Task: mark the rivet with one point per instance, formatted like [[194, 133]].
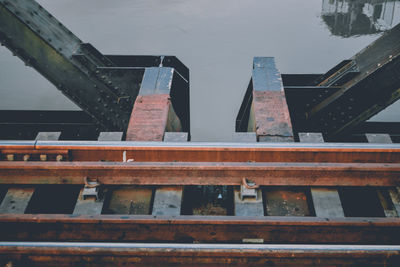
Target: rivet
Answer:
[[59, 158], [26, 157], [10, 157], [43, 157]]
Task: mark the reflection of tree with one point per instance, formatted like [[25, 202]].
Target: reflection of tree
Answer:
[[356, 17]]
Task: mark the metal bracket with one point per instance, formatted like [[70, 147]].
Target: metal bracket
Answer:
[[248, 189], [91, 189]]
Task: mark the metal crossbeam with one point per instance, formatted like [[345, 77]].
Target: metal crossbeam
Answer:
[[368, 83], [103, 86]]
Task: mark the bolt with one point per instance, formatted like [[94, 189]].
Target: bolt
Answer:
[[26, 157], [10, 157], [43, 157], [59, 158]]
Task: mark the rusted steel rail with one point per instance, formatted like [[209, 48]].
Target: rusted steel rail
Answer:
[[204, 152], [99, 254], [196, 173], [204, 229]]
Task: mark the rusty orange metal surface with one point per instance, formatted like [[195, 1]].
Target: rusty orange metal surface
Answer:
[[186, 173], [149, 118], [272, 118], [137, 228], [101, 254], [137, 152]]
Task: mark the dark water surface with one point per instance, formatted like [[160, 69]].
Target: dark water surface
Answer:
[[216, 39]]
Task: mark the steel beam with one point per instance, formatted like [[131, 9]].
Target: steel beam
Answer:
[[158, 254], [207, 152], [201, 173], [369, 82], [203, 229], [96, 83]]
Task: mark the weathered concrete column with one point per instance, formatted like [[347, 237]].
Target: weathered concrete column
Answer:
[[153, 113], [264, 109]]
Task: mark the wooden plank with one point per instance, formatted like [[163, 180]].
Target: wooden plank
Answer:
[[379, 138], [245, 137], [175, 137], [387, 203], [89, 206], [388, 199], [129, 200], [395, 197], [48, 136], [286, 202], [16, 200], [110, 136], [311, 137], [326, 200], [167, 201], [248, 206]]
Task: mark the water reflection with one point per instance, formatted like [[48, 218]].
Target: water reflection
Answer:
[[217, 40], [357, 17]]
